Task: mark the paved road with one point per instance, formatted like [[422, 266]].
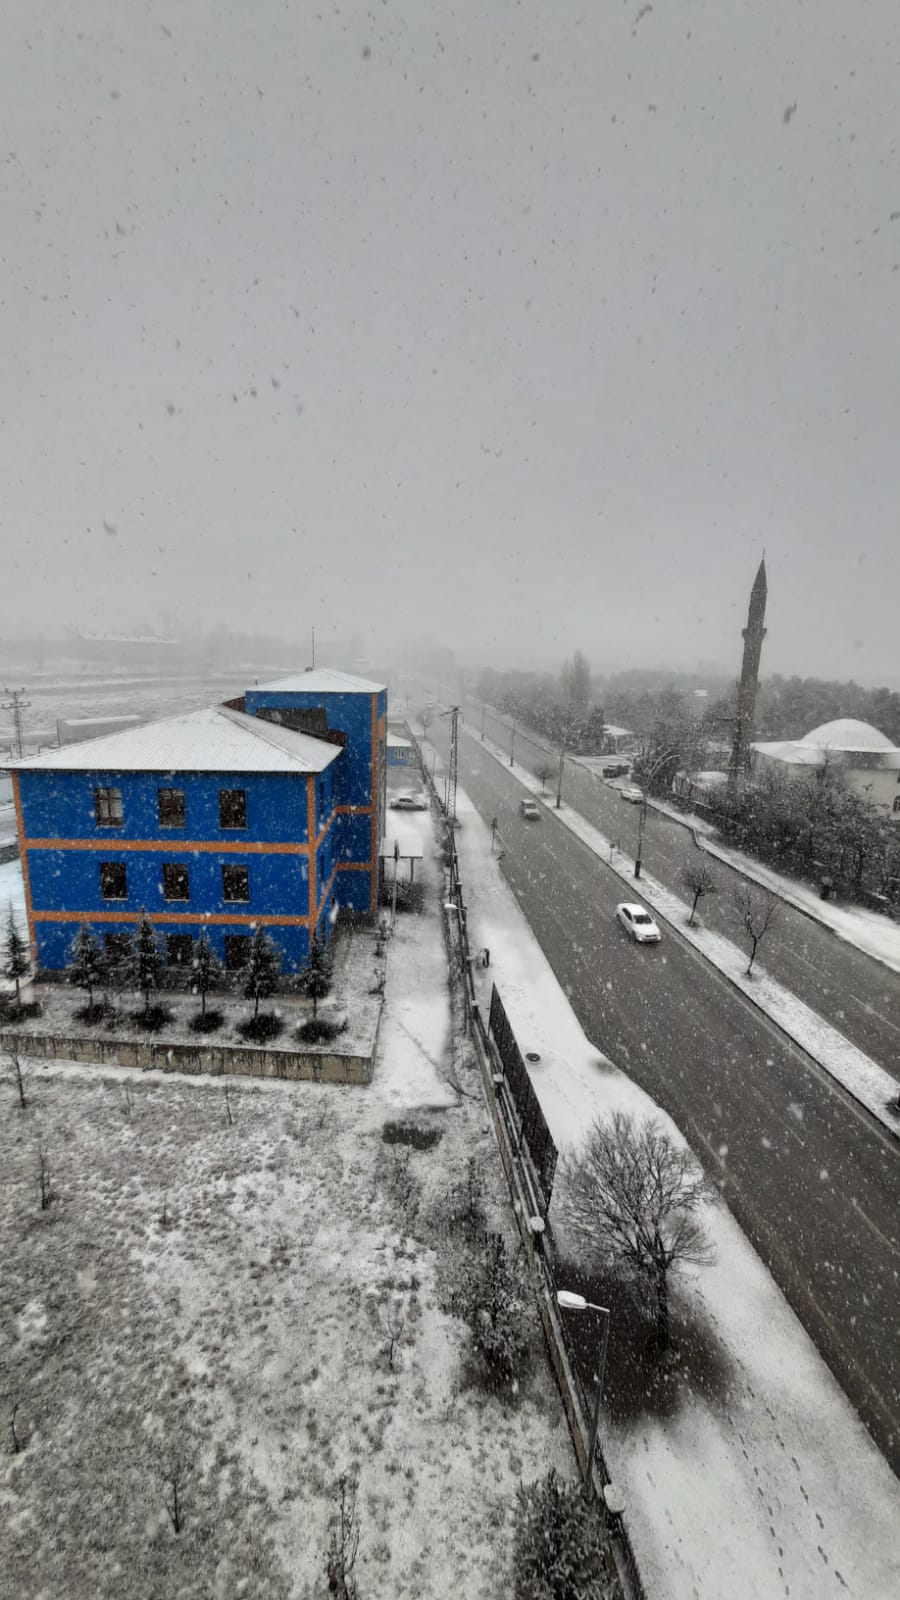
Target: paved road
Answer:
[[811, 1179], [856, 994]]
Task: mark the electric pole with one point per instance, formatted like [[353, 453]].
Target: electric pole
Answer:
[[16, 705], [453, 714]]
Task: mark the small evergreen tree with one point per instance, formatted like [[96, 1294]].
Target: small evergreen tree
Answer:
[[561, 1547], [16, 955], [263, 970], [316, 980], [207, 968], [491, 1300], [146, 962], [87, 962]]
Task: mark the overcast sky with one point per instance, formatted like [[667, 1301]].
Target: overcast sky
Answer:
[[526, 325]]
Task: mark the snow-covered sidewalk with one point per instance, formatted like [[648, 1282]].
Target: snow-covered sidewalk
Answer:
[[862, 1077], [778, 1492]]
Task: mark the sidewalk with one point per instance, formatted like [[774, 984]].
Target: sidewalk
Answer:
[[862, 1077]]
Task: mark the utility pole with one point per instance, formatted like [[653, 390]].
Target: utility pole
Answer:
[[483, 709], [512, 745], [453, 775], [314, 649], [16, 705]]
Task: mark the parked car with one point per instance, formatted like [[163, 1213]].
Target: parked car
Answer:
[[639, 923], [632, 794], [616, 768], [530, 810], [409, 802]]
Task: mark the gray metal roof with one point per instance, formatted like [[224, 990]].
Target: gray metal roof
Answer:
[[214, 739], [321, 680]]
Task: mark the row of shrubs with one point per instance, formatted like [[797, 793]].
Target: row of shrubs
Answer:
[[142, 966]]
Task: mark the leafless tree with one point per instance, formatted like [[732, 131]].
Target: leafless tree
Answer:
[[344, 1543], [17, 1073], [393, 1321], [699, 879], [43, 1173], [544, 773], [229, 1114], [174, 1491], [757, 909], [631, 1200], [129, 1101]]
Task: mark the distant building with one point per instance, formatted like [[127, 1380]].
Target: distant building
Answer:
[[71, 730], [865, 758], [265, 812], [399, 750]]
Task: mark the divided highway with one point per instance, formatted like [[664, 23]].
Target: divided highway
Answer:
[[810, 1177]]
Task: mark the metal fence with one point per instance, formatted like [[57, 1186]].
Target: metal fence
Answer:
[[532, 1122]]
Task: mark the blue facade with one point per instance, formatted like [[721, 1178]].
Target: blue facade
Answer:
[[193, 873]]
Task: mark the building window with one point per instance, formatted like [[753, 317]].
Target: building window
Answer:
[[117, 948], [232, 808], [113, 880], [108, 808], [175, 882], [235, 883], [237, 951], [179, 949], [171, 808]]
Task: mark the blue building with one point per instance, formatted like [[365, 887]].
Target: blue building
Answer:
[[266, 811]]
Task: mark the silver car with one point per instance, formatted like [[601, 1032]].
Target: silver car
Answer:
[[639, 923]]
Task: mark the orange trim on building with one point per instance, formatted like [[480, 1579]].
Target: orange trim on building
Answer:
[[373, 886], [20, 830], [354, 811], [171, 846], [310, 832], [353, 866], [196, 918], [325, 893]]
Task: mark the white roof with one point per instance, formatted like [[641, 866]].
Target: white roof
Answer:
[[396, 742], [321, 680], [848, 734], [215, 739]]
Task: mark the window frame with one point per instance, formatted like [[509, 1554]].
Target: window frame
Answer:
[[169, 792], [104, 867], [185, 943], [175, 866], [103, 800], [235, 867], [230, 941], [232, 827]]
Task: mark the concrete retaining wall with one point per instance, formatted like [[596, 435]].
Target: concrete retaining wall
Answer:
[[306, 1065]]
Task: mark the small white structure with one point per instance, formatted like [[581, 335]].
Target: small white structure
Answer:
[[865, 758]]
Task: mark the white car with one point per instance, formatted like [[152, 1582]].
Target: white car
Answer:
[[639, 923], [530, 810], [632, 794], [408, 802]]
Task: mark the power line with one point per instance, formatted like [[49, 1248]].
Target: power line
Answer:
[[16, 705]]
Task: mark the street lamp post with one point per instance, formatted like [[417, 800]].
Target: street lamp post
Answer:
[[562, 762], [512, 744], [643, 821], [576, 1302]]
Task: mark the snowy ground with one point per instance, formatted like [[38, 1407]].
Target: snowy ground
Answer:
[[858, 1073], [772, 1488], [216, 1293]]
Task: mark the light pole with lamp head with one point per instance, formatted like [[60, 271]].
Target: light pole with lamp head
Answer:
[[646, 796], [576, 1302]]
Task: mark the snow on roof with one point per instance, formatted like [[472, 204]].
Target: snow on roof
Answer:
[[616, 733], [848, 734], [792, 751], [214, 739], [397, 742], [322, 680], [92, 722]]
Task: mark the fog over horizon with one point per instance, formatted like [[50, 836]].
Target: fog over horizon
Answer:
[[522, 328]]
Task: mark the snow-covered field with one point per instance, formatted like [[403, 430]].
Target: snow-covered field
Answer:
[[215, 1294], [774, 1487]]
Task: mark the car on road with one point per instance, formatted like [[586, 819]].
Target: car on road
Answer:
[[616, 768], [632, 794], [409, 802], [530, 810], [639, 923]]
